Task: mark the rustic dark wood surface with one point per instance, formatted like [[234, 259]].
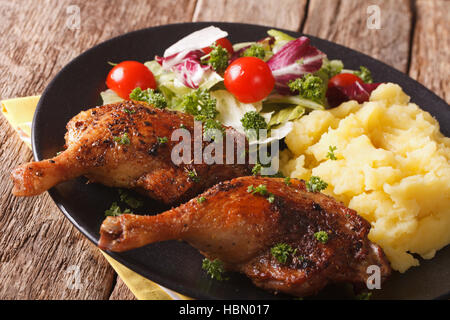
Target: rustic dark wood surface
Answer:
[[40, 250]]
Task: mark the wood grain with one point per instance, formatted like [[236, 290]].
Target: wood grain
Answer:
[[286, 14], [37, 243], [345, 22], [430, 60], [121, 291]]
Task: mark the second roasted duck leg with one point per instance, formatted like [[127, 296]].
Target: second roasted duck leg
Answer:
[[240, 221]]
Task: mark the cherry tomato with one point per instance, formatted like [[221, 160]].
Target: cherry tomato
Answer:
[[249, 79], [343, 80], [224, 43], [127, 75]]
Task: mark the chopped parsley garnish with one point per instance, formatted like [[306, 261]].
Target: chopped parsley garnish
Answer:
[[201, 199], [214, 269], [218, 58], [162, 140], [255, 50], [321, 236], [122, 139], [331, 154], [182, 126], [309, 87], [256, 169], [287, 181], [262, 190], [192, 175], [315, 184], [115, 210], [200, 104], [282, 251], [364, 296], [150, 96], [252, 120], [129, 111], [364, 74], [125, 197]]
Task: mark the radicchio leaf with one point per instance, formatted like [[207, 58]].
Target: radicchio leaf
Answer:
[[187, 67], [293, 60], [355, 91], [190, 72], [183, 57]]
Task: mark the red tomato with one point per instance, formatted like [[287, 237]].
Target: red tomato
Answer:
[[224, 43], [249, 79], [343, 80], [127, 75]]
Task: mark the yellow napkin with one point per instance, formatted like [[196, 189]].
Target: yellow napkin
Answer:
[[19, 113]]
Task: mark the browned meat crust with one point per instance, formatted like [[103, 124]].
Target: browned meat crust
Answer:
[[94, 149]]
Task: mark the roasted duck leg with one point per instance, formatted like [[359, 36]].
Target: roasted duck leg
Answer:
[[128, 145], [240, 221]]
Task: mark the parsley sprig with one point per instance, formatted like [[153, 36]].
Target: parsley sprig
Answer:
[[309, 87], [150, 96], [123, 139], [115, 210], [131, 201], [215, 269], [255, 50], [192, 175], [202, 106], [321, 236], [315, 184], [252, 122], [282, 251], [364, 74], [262, 190], [218, 58], [331, 154]]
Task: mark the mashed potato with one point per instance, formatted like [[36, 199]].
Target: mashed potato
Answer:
[[392, 167]]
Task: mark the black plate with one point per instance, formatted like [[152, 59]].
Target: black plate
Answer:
[[173, 264]]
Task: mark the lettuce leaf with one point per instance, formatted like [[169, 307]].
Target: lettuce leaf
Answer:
[[232, 110], [196, 40], [294, 100], [286, 114], [109, 96], [281, 39]]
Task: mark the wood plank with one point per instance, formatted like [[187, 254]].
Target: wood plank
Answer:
[[38, 243], [430, 60], [287, 14], [345, 22], [121, 291]]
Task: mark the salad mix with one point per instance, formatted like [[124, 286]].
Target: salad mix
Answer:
[[265, 84]]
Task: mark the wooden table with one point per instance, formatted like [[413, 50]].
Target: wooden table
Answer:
[[37, 244]]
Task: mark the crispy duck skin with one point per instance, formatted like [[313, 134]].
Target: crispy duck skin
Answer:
[[94, 149], [240, 228]]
